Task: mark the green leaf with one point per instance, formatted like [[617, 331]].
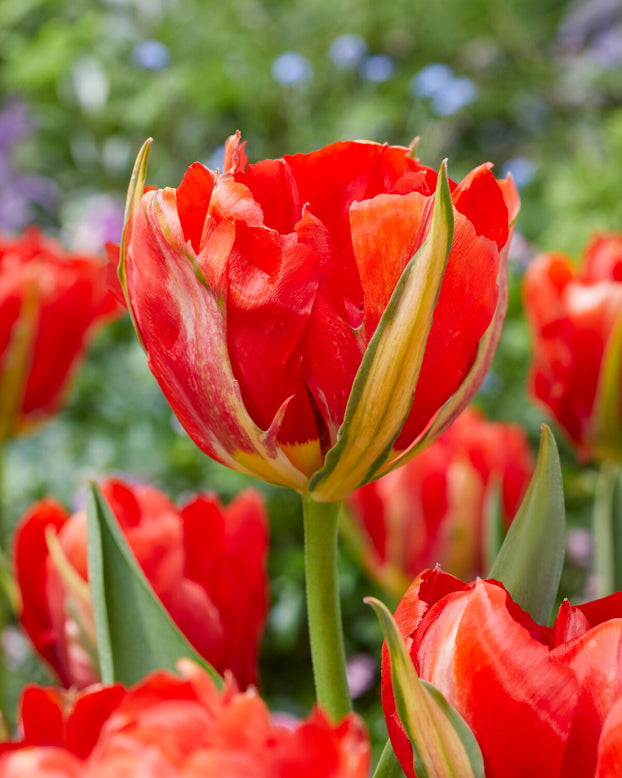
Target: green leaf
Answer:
[[493, 529], [607, 523], [607, 422], [388, 766], [531, 558], [442, 743], [135, 634], [384, 386]]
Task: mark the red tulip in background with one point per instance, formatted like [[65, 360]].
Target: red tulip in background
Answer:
[[178, 728], [575, 318], [51, 303], [540, 701], [433, 509], [255, 294], [206, 563]]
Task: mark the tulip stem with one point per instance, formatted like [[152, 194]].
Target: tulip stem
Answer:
[[324, 608], [608, 529]]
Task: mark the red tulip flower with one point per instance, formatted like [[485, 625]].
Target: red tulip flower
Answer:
[[539, 700], [206, 563], [51, 304], [259, 296], [436, 508], [575, 317], [179, 727]]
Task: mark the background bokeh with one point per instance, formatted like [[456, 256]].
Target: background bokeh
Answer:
[[535, 86]]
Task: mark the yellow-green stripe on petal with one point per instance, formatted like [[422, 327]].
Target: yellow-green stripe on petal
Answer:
[[443, 745], [384, 387]]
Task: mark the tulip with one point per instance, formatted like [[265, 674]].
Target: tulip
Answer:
[[206, 564], [436, 509], [180, 727], [51, 305], [539, 700], [575, 318], [313, 319], [284, 321]]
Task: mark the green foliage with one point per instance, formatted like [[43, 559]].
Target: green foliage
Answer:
[[77, 66]]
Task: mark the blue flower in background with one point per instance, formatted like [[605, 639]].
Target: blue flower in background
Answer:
[[456, 95], [522, 170], [217, 160], [151, 55], [447, 92], [292, 69], [431, 80], [377, 68], [347, 51]]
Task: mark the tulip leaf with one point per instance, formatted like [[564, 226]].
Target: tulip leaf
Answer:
[[135, 634], [384, 386], [388, 766], [607, 419], [607, 523], [529, 563], [443, 745], [493, 529]]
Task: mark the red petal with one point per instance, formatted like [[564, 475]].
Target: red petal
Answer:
[[465, 307], [480, 198], [595, 659], [609, 763], [193, 197], [386, 233], [501, 680], [30, 555], [238, 540]]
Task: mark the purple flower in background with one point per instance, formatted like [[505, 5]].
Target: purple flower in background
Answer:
[[20, 193], [92, 222], [361, 674]]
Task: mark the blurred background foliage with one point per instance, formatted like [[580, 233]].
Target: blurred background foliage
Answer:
[[535, 86]]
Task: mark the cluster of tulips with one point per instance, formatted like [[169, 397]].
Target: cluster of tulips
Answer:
[[322, 322]]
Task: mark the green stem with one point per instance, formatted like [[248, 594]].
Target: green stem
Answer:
[[323, 607], [388, 766], [607, 527]]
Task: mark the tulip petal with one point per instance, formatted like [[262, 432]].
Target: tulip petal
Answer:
[[466, 391], [442, 743], [609, 764], [595, 659], [384, 386], [30, 555], [531, 558], [482, 651], [184, 334], [134, 193], [17, 359]]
